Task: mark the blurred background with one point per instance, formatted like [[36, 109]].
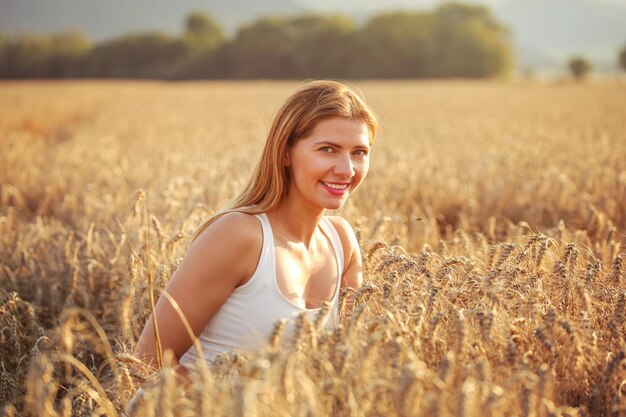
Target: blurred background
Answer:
[[294, 39]]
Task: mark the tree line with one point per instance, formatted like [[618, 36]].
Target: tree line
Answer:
[[452, 40]]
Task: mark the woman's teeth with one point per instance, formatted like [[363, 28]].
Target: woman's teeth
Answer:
[[335, 186]]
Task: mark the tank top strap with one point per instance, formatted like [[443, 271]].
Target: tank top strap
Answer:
[[267, 228], [267, 251], [265, 266], [331, 232]]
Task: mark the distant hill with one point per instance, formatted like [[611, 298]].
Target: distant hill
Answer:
[[545, 32]]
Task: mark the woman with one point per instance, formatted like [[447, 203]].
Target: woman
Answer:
[[272, 254]]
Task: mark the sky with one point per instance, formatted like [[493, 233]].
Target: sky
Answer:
[[388, 4]]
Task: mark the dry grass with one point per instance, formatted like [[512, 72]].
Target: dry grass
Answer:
[[491, 225]]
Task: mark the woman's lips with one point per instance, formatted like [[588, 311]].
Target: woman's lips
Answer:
[[335, 188]]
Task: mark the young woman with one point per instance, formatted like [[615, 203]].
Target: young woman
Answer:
[[272, 254]]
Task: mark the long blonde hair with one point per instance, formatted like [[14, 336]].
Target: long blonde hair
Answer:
[[311, 103]]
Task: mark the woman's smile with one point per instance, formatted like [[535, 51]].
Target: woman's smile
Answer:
[[337, 189]]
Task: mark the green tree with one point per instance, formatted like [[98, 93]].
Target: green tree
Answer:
[[202, 33], [579, 67], [319, 45], [34, 56], [25, 56], [393, 45], [469, 42], [4, 45], [621, 59], [68, 51], [303, 46], [140, 55], [260, 49]]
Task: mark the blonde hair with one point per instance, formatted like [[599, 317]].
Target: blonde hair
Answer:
[[311, 103]]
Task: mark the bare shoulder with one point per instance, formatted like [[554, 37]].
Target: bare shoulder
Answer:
[[236, 228], [347, 236], [344, 229], [234, 238]]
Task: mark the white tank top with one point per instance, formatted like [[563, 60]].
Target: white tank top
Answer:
[[247, 318]]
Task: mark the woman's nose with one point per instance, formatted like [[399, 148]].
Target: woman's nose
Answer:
[[344, 166]]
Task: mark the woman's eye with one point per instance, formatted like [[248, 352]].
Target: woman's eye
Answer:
[[360, 152], [326, 149]]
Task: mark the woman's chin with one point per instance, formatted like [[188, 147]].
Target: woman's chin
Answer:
[[335, 205]]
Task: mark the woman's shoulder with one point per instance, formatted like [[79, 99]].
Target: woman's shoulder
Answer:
[[346, 234], [342, 225], [235, 230], [237, 220], [235, 240]]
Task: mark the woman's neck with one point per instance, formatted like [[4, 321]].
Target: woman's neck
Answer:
[[297, 223]]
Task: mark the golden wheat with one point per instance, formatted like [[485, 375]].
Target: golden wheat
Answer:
[[491, 226]]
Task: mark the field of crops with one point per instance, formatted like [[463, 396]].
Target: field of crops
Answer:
[[492, 226]]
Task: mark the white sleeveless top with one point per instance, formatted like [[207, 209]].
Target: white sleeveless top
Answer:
[[247, 318]]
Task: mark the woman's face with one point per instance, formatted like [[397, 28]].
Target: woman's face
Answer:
[[330, 163]]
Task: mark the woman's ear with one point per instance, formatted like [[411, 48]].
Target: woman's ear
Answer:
[[286, 158]]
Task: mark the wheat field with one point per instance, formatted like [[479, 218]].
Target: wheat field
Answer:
[[492, 226]]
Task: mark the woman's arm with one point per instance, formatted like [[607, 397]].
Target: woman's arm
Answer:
[[222, 257], [352, 275]]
